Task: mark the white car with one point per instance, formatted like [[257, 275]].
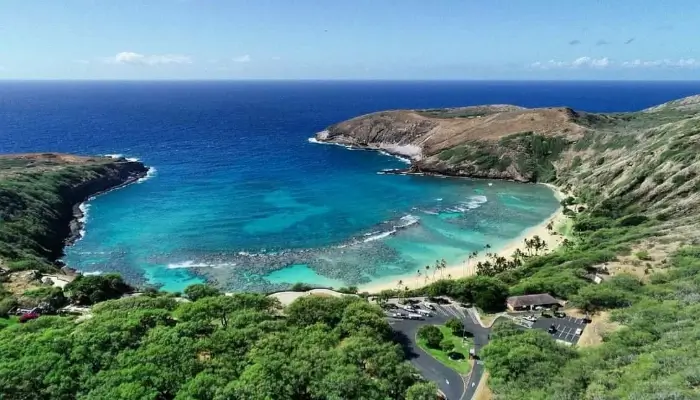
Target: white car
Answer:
[[531, 318], [414, 316], [408, 308], [579, 331], [429, 306], [424, 312]]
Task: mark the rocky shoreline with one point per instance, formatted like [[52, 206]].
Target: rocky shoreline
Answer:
[[77, 224]]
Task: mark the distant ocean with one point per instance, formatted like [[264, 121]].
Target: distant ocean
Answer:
[[240, 197]]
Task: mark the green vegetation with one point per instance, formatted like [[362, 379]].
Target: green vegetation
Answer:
[[8, 321], [487, 293], [218, 347], [87, 290], [440, 341], [33, 214], [654, 356]]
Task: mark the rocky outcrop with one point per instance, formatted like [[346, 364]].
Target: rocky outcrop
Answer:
[[485, 142]]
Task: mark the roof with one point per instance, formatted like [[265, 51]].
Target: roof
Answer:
[[531, 300]]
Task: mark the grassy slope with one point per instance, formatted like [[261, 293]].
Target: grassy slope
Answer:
[[463, 367], [37, 193], [646, 164]]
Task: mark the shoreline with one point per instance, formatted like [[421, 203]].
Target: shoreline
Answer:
[[77, 223], [468, 268]]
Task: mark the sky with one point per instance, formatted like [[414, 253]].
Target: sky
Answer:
[[358, 39]]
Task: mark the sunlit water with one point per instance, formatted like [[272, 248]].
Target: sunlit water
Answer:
[[241, 198]]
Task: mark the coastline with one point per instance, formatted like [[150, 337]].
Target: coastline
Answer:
[[468, 268], [77, 224]]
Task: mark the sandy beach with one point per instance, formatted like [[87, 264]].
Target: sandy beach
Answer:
[[468, 268]]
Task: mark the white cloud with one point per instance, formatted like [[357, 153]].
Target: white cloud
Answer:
[[242, 59], [131, 58], [605, 62], [665, 63], [581, 62]]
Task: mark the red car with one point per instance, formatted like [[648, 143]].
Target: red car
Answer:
[[27, 317]]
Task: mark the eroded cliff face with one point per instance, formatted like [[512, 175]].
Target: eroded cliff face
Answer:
[[498, 141]]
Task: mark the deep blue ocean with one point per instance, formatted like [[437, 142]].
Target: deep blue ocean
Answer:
[[240, 197]]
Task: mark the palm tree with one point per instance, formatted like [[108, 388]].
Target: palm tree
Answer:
[[427, 269], [399, 284], [436, 268], [566, 243], [443, 266]]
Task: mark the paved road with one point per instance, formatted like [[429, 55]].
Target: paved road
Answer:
[[453, 385]]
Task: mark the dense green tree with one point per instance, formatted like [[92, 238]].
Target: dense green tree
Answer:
[[422, 391], [200, 290], [96, 288], [456, 326], [431, 334], [215, 348]]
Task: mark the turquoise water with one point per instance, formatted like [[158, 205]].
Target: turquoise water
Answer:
[[240, 198]]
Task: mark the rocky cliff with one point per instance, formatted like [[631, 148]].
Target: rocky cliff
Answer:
[[648, 159], [39, 195]]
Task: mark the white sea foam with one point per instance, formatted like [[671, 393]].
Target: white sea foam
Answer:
[[132, 159], [92, 273], [149, 174], [439, 199], [399, 152], [114, 155], [405, 222], [474, 202], [192, 264]]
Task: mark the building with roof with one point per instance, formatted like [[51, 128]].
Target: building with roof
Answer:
[[530, 301]]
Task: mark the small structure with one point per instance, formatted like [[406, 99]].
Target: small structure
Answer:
[[595, 278], [530, 301]]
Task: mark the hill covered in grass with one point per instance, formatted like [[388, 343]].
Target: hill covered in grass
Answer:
[[38, 198]]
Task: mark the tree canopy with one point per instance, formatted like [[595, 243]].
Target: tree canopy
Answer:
[[215, 348]]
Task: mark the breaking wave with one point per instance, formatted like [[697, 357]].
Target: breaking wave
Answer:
[[193, 264], [149, 174], [404, 222], [474, 202]]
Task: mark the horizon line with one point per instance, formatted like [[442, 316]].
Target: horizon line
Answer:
[[3, 80]]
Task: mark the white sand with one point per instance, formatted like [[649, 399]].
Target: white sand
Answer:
[[468, 268]]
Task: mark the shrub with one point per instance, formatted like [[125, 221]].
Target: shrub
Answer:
[[432, 335], [456, 326], [200, 290], [446, 345], [643, 255]]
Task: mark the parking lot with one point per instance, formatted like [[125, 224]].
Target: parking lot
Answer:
[[441, 312], [565, 327]]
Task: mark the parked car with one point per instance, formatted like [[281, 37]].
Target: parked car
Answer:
[[28, 317], [579, 331], [414, 316], [560, 314], [408, 308], [546, 315], [424, 312], [530, 318], [552, 329], [429, 306]]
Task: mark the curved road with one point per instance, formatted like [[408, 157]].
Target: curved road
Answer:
[[452, 384]]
